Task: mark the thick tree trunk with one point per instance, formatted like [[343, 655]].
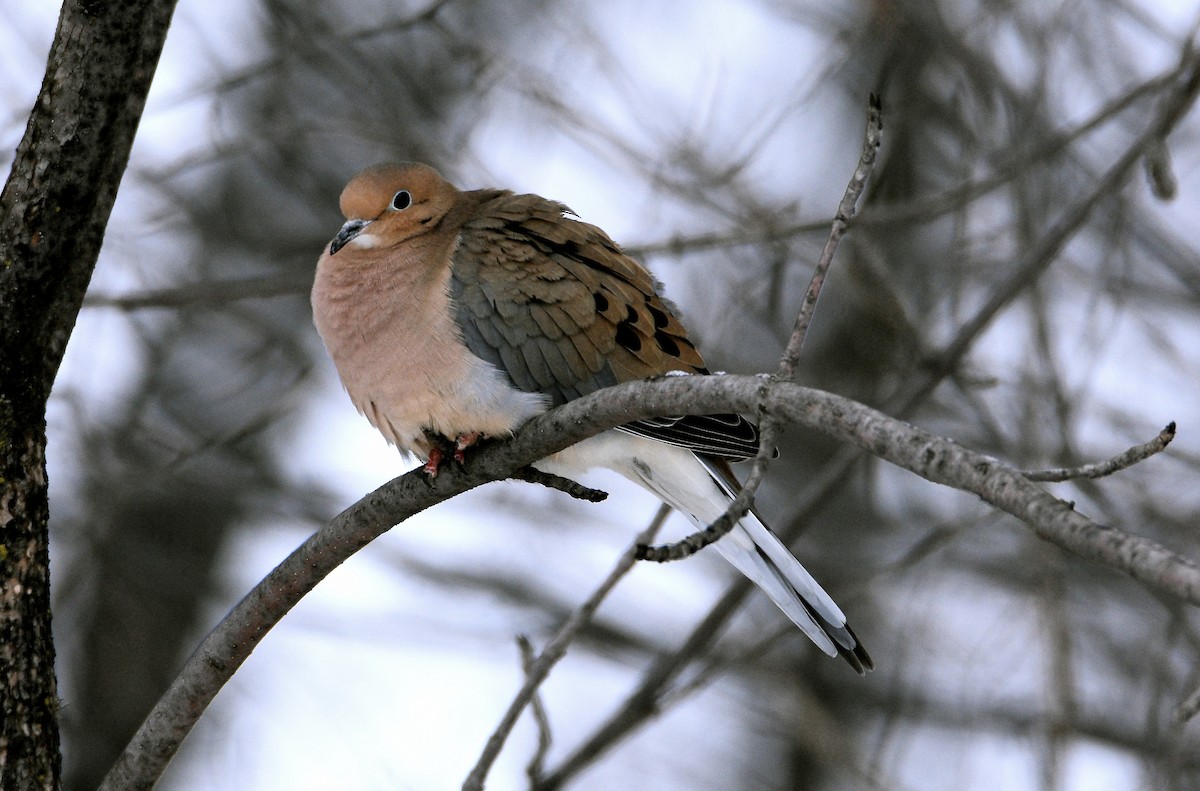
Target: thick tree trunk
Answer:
[[53, 212]]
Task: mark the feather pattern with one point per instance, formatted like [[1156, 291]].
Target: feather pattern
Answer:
[[453, 314], [554, 303]]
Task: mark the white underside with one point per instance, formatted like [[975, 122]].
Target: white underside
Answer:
[[681, 480]]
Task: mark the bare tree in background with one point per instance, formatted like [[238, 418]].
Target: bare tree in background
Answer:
[[992, 195]]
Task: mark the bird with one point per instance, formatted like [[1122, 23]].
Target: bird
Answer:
[[454, 315]]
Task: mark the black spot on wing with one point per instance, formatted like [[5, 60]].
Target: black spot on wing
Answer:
[[627, 337], [666, 343]]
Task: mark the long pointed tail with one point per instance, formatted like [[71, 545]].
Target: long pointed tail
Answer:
[[754, 549], [701, 488]]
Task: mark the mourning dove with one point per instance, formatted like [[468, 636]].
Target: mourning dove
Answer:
[[453, 315]]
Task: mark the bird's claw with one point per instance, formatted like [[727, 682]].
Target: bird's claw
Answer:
[[443, 450], [434, 463], [461, 443]]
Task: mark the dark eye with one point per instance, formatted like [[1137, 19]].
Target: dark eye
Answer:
[[402, 200]]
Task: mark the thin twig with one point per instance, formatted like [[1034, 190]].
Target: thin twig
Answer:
[[738, 507], [537, 764], [554, 651], [744, 500], [577, 490], [1115, 464], [1189, 708], [841, 221]]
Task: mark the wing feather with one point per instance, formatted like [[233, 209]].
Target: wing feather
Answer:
[[554, 303]]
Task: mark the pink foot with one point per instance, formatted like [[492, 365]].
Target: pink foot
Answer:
[[464, 441], [434, 462]]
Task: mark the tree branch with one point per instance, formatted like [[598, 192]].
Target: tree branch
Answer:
[[936, 459], [1102, 468], [575, 489], [537, 764], [555, 650], [846, 210], [205, 293], [53, 213]]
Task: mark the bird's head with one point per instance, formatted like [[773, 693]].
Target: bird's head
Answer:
[[385, 205]]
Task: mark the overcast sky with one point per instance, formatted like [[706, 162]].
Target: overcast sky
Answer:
[[382, 680]]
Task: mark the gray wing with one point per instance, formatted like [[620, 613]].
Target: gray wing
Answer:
[[554, 303]]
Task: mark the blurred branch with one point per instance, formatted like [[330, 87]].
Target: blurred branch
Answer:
[[1189, 708], [555, 650], [1115, 464], [931, 207], [644, 702], [537, 763], [205, 293], [922, 209], [1047, 248], [936, 459], [1024, 719], [538, 601], [332, 41], [744, 500], [1160, 173]]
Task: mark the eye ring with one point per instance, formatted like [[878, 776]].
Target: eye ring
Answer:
[[401, 200]]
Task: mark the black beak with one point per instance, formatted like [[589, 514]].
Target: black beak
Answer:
[[350, 230]]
